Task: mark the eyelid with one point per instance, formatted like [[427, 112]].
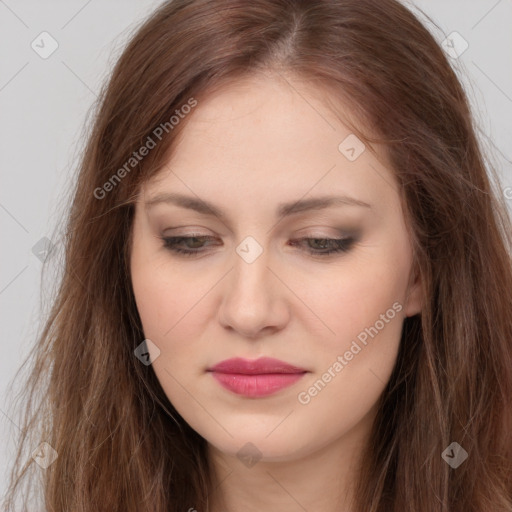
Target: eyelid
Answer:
[[337, 245], [304, 232]]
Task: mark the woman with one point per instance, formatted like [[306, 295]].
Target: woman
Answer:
[[288, 280]]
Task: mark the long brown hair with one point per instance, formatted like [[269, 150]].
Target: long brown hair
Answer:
[[120, 443]]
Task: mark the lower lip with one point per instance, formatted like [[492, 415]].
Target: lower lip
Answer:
[[256, 386]]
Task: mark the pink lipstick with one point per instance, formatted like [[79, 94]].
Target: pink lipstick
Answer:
[[257, 378]]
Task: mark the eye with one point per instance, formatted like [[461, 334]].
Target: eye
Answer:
[[193, 245], [325, 246]]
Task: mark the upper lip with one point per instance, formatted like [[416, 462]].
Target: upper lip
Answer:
[[263, 365]]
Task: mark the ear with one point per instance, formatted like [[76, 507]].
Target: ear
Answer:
[[414, 293]]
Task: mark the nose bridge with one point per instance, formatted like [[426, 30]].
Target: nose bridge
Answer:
[[250, 295], [250, 276]]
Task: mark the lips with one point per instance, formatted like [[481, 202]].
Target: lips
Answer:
[[256, 378], [263, 365]]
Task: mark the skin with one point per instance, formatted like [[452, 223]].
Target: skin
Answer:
[[247, 148]]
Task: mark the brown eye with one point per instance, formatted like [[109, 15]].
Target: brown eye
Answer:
[[192, 244], [325, 246]]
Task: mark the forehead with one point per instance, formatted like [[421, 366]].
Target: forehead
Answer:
[[263, 138], [276, 109]]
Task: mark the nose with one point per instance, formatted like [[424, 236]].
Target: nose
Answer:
[[253, 300]]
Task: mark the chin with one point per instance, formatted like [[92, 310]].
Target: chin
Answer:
[[260, 447]]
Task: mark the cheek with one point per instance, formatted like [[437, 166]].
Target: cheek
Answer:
[[354, 364], [354, 298], [164, 304], [159, 293], [174, 309]]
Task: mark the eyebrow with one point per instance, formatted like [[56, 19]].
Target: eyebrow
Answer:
[[283, 209]]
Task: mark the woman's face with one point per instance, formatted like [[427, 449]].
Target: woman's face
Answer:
[[262, 154]]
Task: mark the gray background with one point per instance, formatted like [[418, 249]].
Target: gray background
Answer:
[[44, 104]]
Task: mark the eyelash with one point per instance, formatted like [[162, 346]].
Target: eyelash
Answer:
[[341, 245]]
